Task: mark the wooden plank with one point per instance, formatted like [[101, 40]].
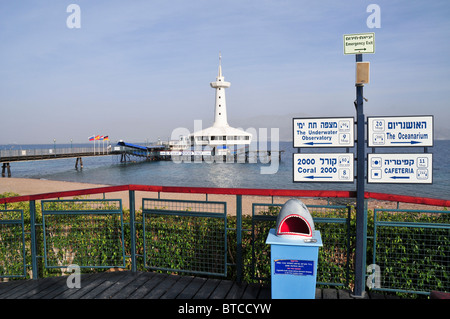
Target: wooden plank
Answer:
[[63, 289], [192, 290], [119, 285], [45, 287], [153, 279], [251, 292], [206, 290], [329, 293], [6, 288], [92, 282], [178, 287], [236, 291], [134, 286], [344, 294], [265, 292], [112, 279], [221, 290], [162, 287]]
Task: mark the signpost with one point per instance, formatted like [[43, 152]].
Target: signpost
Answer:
[[394, 131], [323, 167], [359, 43], [400, 168], [323, 132], [400, 131]]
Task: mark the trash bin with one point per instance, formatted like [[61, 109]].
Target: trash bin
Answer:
[[294, 253]]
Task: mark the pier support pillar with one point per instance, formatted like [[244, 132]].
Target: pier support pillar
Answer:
[[6, 168], [80, 160]]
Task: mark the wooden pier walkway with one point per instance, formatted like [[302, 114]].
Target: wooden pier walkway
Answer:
[[147, 285]]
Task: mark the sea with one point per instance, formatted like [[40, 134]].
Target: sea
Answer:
[[110, 171]]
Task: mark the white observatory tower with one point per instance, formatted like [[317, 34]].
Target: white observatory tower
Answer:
[[220, 134]]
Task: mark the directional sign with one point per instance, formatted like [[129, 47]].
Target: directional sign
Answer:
[[400, 168], [323, 167], [324, 132], [400, 131], [359, 43]]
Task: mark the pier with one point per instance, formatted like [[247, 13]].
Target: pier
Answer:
[[9, 156], [129, 152]]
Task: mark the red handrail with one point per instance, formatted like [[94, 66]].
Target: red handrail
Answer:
[[230, 191]]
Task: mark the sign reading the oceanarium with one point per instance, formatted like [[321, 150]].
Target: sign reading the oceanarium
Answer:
[[324, 132], [400, 131]]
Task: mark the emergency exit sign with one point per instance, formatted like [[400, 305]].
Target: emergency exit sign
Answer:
[[359, 43]]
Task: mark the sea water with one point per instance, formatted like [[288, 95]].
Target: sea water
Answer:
[[109, 170]]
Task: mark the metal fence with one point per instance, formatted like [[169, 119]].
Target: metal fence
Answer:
[[408, 249], [185, 235], [12, 244], [411, 251], [88, 233], [50, 151]]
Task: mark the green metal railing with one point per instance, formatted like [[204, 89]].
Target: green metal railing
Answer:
[[88, 233], [185, 236], [411, 249], [12, 244]]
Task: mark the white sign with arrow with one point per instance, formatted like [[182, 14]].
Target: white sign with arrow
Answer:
[[324, 132], [400, 131], [323, 167], [400, 168], [359, 43]]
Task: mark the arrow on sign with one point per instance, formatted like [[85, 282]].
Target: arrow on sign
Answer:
[[312, 143], [400, 177], [411, 142], [312, 177]]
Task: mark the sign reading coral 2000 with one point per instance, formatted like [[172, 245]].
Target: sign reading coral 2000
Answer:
[[324, 132], [323, 167]]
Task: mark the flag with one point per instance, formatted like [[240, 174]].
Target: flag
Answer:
[[101, 137], [106, 138], [97, 137], [91, 138]]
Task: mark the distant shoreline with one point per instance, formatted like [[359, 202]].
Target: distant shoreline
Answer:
[[30, 186]]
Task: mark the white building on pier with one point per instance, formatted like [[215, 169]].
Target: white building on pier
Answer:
[[220, 135]]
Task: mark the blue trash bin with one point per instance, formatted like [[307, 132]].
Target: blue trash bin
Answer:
[[294, 253]]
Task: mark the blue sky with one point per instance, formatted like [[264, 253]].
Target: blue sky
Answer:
[[138, 69]]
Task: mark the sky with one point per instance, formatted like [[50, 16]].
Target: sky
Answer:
[[137, 70]]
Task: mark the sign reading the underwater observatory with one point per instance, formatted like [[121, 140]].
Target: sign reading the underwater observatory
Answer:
[[359, 43], [323, 167], [323, 132], [400, 168], [400, 131]]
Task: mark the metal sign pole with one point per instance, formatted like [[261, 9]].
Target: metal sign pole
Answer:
[[361, 218]]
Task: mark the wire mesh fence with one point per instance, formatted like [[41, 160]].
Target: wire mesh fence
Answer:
[[12, 244], [186, 236], [411, 250], [88, 233]]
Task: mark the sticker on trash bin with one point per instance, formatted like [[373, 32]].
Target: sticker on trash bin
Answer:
[[294, 267]]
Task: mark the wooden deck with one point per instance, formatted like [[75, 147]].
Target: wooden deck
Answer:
[[146, 285]]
